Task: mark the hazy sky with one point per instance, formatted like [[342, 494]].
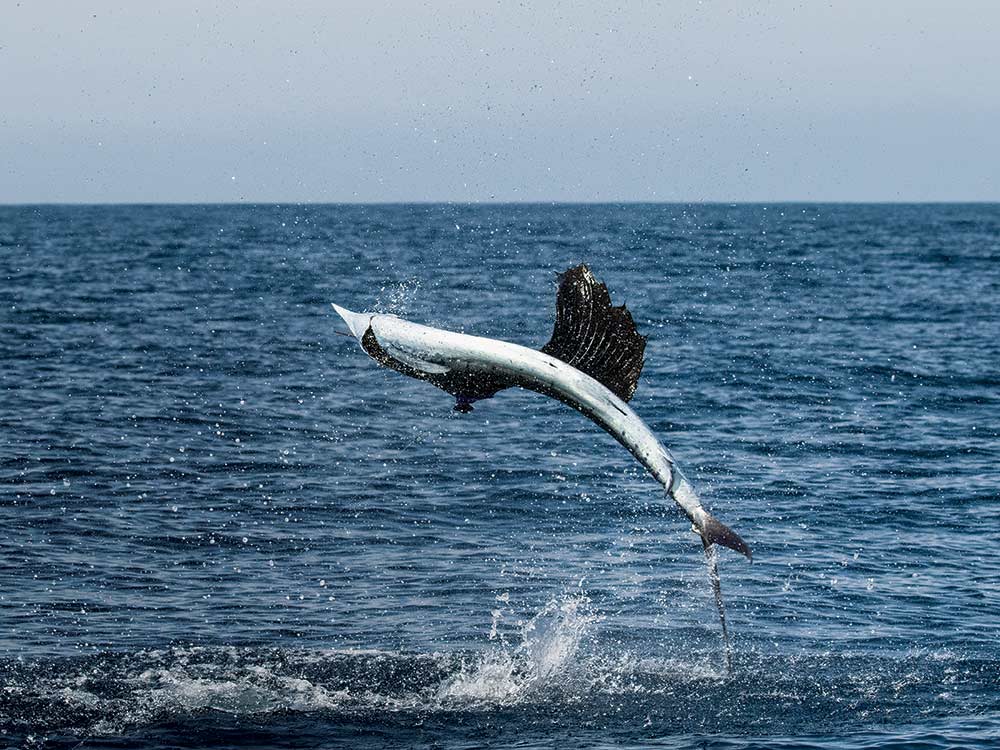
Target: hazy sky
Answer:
[[335, 101]]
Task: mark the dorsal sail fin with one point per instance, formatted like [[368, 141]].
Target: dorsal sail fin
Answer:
[[594, 336]]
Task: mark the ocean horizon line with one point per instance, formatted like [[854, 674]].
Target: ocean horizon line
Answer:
[[795, 202]]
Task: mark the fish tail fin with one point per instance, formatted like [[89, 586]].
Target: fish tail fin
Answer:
[[713, 531]]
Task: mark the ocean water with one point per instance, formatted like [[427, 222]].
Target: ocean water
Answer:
[[221, 524]]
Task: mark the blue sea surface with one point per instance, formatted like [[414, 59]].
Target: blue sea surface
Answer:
[[222, 524]]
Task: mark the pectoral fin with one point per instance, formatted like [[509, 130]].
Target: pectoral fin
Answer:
[[414, 362]]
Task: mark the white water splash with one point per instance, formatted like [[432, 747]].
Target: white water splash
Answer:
[[549, 643], [251, 690]]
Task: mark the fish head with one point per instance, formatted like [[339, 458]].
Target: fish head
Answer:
[[394, 342], [357, 323]]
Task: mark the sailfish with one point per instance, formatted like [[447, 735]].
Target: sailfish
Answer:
[[592, 363]]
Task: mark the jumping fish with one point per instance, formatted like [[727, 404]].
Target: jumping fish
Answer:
[[592, 363]]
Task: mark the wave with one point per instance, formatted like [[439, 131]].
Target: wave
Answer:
[[559, 673]]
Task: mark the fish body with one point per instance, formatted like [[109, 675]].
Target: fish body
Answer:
[[434, 354], [592, 363]]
